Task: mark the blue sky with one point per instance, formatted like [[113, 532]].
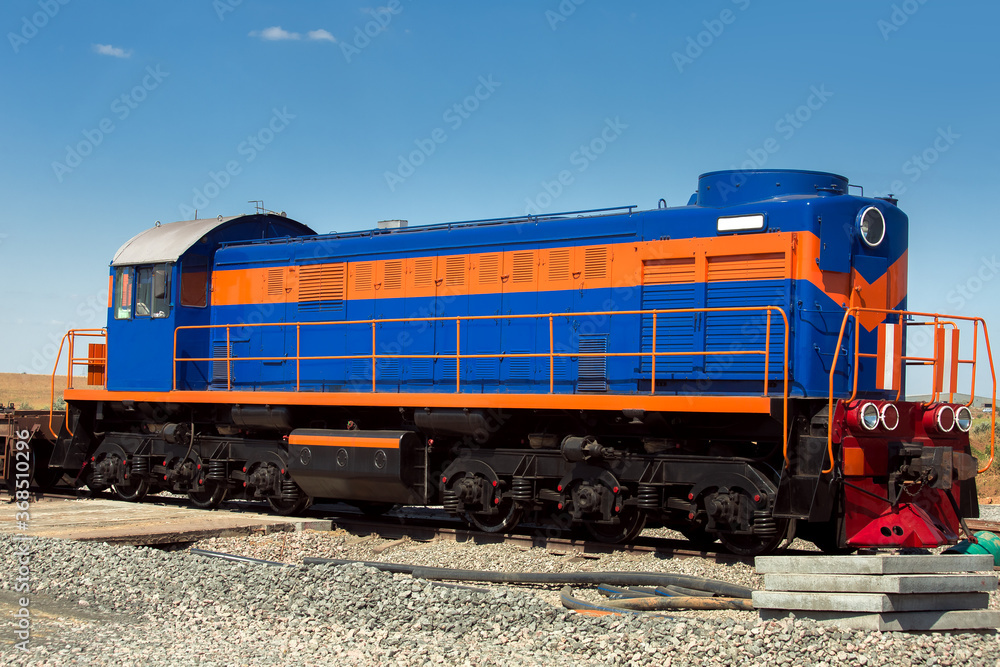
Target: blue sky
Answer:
[[343, 113]]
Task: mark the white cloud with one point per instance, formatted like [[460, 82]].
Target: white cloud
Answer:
[[320, 35], [275, 34], [115, 51]]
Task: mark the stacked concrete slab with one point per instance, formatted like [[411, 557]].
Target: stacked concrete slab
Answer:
[[882, 592]]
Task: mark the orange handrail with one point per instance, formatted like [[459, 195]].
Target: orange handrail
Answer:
[[458, 355], [72, 362], [904, 359], [52, 388]]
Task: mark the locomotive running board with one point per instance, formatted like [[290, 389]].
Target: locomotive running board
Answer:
[[614, 402]]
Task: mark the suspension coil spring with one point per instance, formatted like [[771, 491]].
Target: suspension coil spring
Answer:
[[648, 497], [522, 489], [139, 466], [764, 524], [289, 490], [450, 501], [218, 470], [99, 478]]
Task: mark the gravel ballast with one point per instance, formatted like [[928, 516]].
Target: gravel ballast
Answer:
[[97, 604]]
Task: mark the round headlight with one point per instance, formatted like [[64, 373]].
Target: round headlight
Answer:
[[869, 416], [945, 418], [890, 417], [963, 418], [871, 224]]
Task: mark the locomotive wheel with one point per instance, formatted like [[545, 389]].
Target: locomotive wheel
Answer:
[[754, 545], [95, 488], [631, 523], [210, 498], [44, 477], [507, 516], [288, 507], [134, 490], [47, 479]]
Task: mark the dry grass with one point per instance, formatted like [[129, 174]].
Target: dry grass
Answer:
[[29, 392], [987, 483]]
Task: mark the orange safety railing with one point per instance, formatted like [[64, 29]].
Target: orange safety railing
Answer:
[[770, 312], [95, 361], [939, 322]]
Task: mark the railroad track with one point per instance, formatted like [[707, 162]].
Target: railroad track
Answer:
[[528, 536], [426, 524]]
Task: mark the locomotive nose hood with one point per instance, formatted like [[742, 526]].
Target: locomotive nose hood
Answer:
[[717, 189]]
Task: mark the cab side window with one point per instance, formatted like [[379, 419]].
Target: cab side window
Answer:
[[161, 290], [123, 293], [143, 291], [152, 291]]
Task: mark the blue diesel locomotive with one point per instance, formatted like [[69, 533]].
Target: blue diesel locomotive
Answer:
[[733, 368]]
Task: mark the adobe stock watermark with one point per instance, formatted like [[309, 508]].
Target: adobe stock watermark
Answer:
[[31, 25], [454, 116], [964, 292], [223, 7], [920, 163], [363, 35], [22, 568], [786, 127], [698, 44], [581, 159], [122, 107], [248, 150], [898, 17], [562, 13]]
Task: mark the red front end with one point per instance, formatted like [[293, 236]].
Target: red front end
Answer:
[[908, 472]]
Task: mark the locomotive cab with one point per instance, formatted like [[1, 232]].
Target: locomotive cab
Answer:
[[161, 280]]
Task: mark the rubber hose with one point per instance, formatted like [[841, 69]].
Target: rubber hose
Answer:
[[238, 559], [672, 591], [661, 603], [568, 578], [247, 559], [571, 602], [619, 593]]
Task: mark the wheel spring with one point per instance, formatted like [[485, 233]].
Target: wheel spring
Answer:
[[139, 466], [99, 478], [219, 470], [450, 501], [522, 489], [649, 497], [289, 490], [763, 523]]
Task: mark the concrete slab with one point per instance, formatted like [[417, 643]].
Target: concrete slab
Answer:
[[870, 602], [144, 523], [937, 621], [889, 583], [880, 564]]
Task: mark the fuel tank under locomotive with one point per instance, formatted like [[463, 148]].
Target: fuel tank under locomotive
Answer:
[[374, 466]]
